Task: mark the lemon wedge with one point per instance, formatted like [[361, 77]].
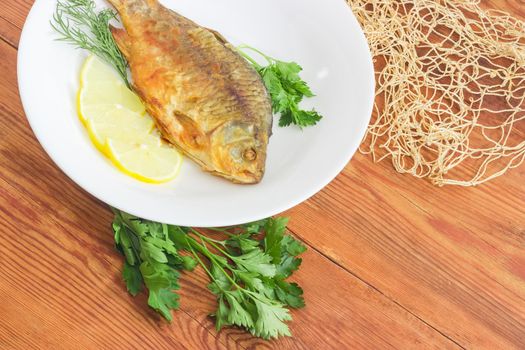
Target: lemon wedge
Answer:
[[147, 159], [102, 89], [117, 125]]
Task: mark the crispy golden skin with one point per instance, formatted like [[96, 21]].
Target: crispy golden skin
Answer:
[[205, 98]]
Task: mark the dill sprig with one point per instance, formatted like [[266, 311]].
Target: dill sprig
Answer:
[[78, 23]]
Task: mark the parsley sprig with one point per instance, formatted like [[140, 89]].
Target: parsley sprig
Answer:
[[151, 260], [287, 89], [248, 269]]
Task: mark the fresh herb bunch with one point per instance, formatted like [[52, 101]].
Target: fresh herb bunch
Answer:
[[248, 269], [78, 23], [152, 260], [286, 89]]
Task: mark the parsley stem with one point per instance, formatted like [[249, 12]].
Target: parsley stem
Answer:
[[221, 230], [206, 238], [133, 237], [212, 242], [251, 60], [248, 47], [191, 242], [198, 258], [134, 241], [219, 266]]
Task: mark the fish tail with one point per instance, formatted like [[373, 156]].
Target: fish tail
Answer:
[[118, 4], [122, 5], [122, 40]]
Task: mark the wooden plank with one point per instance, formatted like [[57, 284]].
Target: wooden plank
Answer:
[[513, 7], [467, 283], [9, 32], [16, 12], [59, 243]]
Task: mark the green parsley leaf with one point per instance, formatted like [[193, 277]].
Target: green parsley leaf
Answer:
[[288, 265], [274, 229], [289, 294], [243, 242], [220, 282], [151, 252], [299, 117], [133, 278], [221, 315], [188, 263], [238, 314], [286, 89], [256, 261], [292, 246], [290, 249], [163, 301], [126, 245], [270, 320], [157, 276], [255, 227], [161, 281], [179, 262]]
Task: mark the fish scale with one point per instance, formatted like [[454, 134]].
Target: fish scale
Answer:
[[205, 98]]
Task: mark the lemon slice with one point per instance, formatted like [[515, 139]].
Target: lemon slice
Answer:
[[102, 89], [147, 159], [114, 117], [117, 123], [96, 70]]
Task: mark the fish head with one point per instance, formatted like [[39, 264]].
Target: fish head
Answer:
[[238, 152]]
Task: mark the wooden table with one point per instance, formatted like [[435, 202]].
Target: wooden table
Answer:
[[393, 262]]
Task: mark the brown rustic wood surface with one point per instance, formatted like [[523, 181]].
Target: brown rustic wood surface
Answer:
[[393, 262]]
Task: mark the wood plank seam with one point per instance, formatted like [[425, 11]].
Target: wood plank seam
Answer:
[[461, 225], [501, 331], [7, 41], [344, 268], [460, 220]]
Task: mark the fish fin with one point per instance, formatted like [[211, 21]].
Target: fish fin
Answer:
[[192, 136], [217, 35], [122, 39], [118, 4]]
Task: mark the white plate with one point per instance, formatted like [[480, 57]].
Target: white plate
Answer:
[[323, 36]]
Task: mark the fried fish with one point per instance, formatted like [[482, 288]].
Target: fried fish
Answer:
[[205, 98]]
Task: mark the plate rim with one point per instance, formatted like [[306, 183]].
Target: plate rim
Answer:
[[275, 210]]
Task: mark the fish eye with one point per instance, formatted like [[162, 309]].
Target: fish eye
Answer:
[[249, 154]]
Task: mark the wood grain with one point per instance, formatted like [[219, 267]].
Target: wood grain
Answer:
[[462, 280], [393, 262]]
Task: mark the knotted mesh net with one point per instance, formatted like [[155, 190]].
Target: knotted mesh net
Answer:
[[450, 98]]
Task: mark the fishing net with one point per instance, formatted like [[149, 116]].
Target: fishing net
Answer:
[[450, 99]]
